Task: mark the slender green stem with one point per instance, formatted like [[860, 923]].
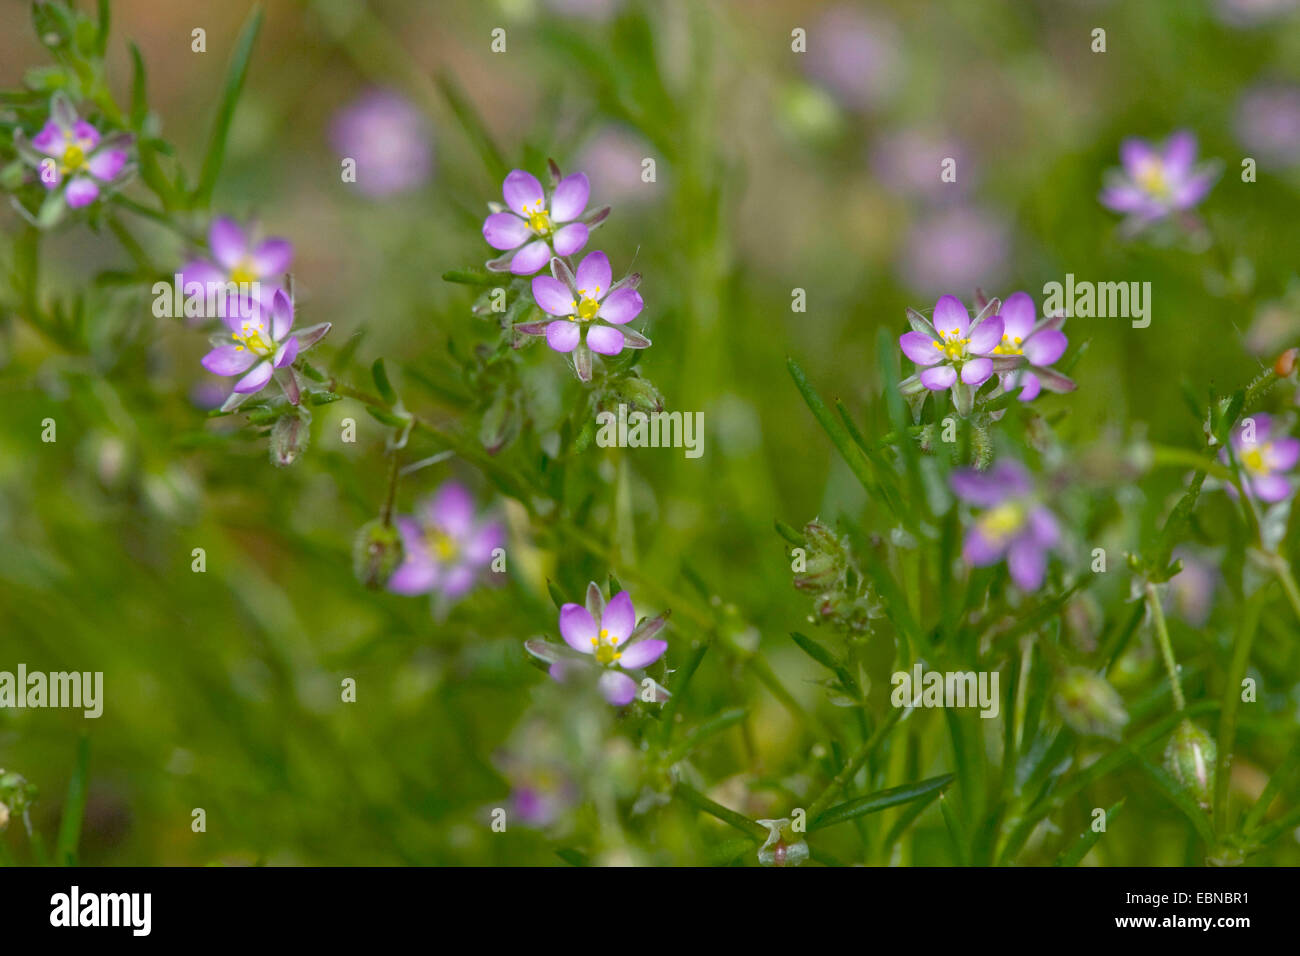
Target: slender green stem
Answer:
[[1166, 648], [1241, 645], [856, 763], [1283, 571]]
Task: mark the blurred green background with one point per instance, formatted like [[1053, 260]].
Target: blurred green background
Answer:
[[775, 171]]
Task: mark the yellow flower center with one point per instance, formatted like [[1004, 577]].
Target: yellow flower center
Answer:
[[1151, 177], [606, 648], [587, 309], [953, 346], [74, 157], [441, 544], [1010, 345], [252, 337], [1254, 460], [1001, 522], [243, 274], [539, 220]]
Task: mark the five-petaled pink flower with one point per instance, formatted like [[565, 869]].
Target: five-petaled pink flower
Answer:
[[237, 259], [69, 152], [1040, 342], [1265, 453], [532, 227], [952, 347], [604, 639]]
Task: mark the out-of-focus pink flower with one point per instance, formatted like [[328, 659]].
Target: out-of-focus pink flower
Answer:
[[390, 140], [958, 248], [1268, 124], [613, 160], [910, 162], [853, 56]]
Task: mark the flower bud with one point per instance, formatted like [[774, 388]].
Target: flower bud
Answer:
[[1190, 757], [290, 436], [4, 817], [1090, 705], [1286, 363], [501, 423], [820, 571], [783, 847], [635, 392], [376, 553], [821, 538]]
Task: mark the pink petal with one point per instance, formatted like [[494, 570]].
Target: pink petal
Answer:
[[281, 314], [49, 140], [451, 510], [1027, 561], [522, 192], [622, 306], [594, 275], [82, 191], [577, 628], [642, 653], [939, 377], [919, 348], [287, 352], [552, 296], [1270, 488], [1180, 153], [977, 371], [227, 241], [228, 360], [617, 688], [570, 239], [1018, 316], [87, 136], [570, 198], [604, 340], [254, 380], [562, 335], [414, 577], [272, 257], [1283, 454], [505, 230], [950, 316], [1045, 347], [530, 258], [986, 336], [105, 165], [619, 618]]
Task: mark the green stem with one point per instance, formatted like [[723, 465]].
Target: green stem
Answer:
[[855, 764], [1166, 648], [1241, 646]]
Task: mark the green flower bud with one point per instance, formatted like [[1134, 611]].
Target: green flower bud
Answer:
[[290, 436], [633, 392], [820, 571], [501, 423], [1190, 757], [821, 538], [376, 553], [783, 846], [1089, 705]]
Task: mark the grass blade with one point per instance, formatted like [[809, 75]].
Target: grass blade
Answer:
[[235, 76]]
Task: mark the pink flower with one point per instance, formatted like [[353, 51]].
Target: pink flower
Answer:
[[532, 226], [69, 152], [605, 642]]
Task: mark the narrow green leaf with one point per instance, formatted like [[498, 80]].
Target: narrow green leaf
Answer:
[[474, 277], [880, 800], [380, 374], [853, 455], [1087, 840], [74, 808], [234, 86], [697, 735]]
